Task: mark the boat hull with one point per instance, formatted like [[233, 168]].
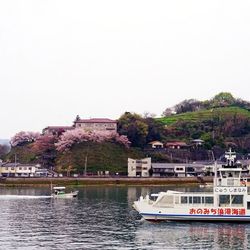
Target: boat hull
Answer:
[[66, 195], [183, 217]]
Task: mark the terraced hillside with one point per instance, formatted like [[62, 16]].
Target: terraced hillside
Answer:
[[205, 115]]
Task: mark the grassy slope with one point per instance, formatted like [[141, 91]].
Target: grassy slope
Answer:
[[101, 156], [204, 115]]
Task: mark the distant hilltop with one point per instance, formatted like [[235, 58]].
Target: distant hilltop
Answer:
[[4, 141]]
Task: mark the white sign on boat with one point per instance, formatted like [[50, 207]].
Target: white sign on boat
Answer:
[[230, 190]]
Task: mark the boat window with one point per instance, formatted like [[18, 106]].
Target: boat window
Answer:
[[209, 200], [184, 199], [190, 199], [167, 199], [196, 200], [248, 205], [237, 199], [224, 200]]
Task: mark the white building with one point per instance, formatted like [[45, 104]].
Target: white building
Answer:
[[139, 167], [18, 170], [156, 144]]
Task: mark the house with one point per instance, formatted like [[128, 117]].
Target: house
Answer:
[[18, 170], [178, 169], [176, 145], [163, 169], [197, 142], [56, 130], [139, 167], [156, 144], [96, 124]]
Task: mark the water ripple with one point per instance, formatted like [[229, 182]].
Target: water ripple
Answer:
[[103, 218]]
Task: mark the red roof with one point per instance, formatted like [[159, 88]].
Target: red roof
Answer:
[[96, 120]]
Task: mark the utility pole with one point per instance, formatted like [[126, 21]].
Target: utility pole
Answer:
[[85, 165], [86, 161]]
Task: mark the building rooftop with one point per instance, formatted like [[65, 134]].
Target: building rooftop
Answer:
[[96, 120]]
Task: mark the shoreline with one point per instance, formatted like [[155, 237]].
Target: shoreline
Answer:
[[102, 181]]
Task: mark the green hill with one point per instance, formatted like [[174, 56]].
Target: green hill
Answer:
[[204, 115], [104, 156]]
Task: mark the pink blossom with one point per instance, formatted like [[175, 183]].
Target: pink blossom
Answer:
[[23, 137], [71, 137]]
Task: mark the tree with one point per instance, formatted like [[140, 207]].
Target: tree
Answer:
[[78, 135], [223, 99], [4, 149], [44, 148], [134, 127], [155, 130], [24, 137], [188, 106], [168, 112]]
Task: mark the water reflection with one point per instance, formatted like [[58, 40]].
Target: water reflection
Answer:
[[102, 217], [192, 236]]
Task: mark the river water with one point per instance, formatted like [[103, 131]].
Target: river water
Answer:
[[103, 218]]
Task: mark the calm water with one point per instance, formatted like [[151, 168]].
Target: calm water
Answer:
[[103, 218]]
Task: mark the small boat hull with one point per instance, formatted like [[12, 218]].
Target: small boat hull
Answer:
[[66, 195]]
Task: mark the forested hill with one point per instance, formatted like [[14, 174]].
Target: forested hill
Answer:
[[222, 121], [225, 126]]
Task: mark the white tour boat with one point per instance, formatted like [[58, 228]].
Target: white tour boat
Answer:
[[229, 200], [59, 192]]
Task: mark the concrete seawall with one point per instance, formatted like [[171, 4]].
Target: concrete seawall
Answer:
[[69, 181]]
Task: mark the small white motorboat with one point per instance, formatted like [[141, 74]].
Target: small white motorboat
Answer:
[[59, 192]]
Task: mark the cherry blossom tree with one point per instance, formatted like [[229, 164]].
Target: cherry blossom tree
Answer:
[[24, 137], [71, 137], [44, 143]]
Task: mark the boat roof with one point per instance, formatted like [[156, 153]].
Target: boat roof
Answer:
[[58, 188]]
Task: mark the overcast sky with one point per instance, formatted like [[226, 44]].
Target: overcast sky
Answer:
[[102, 58]]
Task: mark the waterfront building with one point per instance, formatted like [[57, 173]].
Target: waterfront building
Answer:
[[139, 167], [18, 170], [178, 169]]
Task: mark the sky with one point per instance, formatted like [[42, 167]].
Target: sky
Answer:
[[97, 59]]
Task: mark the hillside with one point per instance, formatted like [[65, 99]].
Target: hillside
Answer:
[[223, 127], [205, 115], [100, 157], [106, 156]]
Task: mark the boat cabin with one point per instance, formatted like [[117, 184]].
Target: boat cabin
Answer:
[[230, 190], [59, 190]]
